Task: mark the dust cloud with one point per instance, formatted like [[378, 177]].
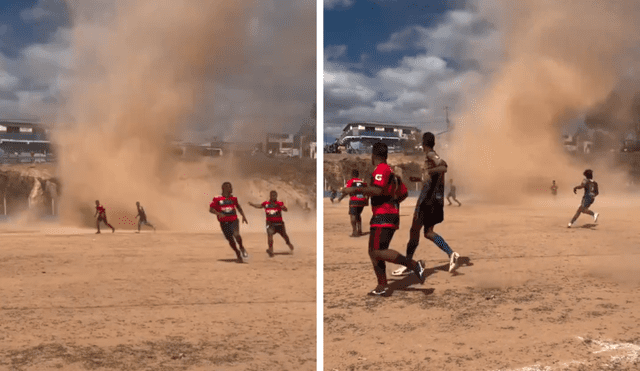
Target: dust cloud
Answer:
[[141, 67], [560, 60]]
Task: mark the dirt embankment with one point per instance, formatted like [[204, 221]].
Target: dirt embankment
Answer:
[[338, 167], [28, 187]]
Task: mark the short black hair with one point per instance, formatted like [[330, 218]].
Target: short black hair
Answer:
[[226, 184], [380, 150], [588, 173], [355, 173], [428, 139]]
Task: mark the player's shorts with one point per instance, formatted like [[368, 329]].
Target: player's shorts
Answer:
[[380, 238], [102, 218], [274, 228], [144, 222], [429, 215], [451, 194], [228, 228], [356, 210], [587, 200]]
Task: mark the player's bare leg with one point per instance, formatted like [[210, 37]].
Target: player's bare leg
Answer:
[[449, 201], [236, 236], [359, 225], [285, 236], [98, 225], [354, 226], [456, 200], [270, 242]]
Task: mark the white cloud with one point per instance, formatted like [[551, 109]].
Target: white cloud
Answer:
[[415, 89], [43, 9], [330, 4], [7, 81]]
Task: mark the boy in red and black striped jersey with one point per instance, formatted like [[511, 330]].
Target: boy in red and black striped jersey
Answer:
[[101, 213], [224, 207], [273, 209], [357, 202], [385, 220]]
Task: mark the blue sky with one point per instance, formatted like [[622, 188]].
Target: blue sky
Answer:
[[274, 86], [402, 61]]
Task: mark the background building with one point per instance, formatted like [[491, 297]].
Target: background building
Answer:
[[360, 136]]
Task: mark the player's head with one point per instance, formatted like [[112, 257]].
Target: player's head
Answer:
[[273, 196], [227, 188], [379, 151], [554, 182], [355, 173], [137, 203], [428, 140], [97, 203], [588, 174]]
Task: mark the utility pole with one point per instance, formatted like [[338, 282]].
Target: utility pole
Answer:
[[446, 112]]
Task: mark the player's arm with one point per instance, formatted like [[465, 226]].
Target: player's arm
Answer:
[[284, 208], [257, 206], [440, 164], [213, 210], [581, 186], [244, 218], [367, 191], [342, 196]]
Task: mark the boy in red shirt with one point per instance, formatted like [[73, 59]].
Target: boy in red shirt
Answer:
[[357, 202], [101, 213], [273, 209], [385, 220], [224, 207]]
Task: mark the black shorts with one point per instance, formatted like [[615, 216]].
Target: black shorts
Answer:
[[380, 238], [587, 200], [276, 228], [228, 228], [429, 215], [356, 210]]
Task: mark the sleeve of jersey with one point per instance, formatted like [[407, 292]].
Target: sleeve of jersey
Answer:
[[214, 204], [349, 183], [264, 203], [381, 176], [281, 204]]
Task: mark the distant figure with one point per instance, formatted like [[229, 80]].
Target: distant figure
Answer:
[[273, 209], [452, 193], [590, 192], [143, 218], [357, 202], [554, 188], [224, 207], [334, 194], [101, 213]]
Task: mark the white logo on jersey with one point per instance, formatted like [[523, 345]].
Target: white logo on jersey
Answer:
[[378, 177], [273, 212]]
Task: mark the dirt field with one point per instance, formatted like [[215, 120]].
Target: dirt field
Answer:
[[534, 296], [73, 300]]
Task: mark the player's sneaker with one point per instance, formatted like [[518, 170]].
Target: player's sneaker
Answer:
[[380, 291], [453, 261], [244, 253], [271, 254], [419, 271], [570, 224], [402, 271], [113, 230], [290, 247], [595, 217]]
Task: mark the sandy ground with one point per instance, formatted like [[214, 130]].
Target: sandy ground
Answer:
[[534, 295], [74, 300]]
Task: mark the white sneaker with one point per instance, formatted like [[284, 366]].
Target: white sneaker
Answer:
[[570, 224], [402, 271], [453, 261], [595, 217]]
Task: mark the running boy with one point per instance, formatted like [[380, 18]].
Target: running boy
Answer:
[[357, 202], [452, 193], [274, 208], [385, 220], [224, 207], [590, 193], [429, 209], [143, 218], [101, 213]]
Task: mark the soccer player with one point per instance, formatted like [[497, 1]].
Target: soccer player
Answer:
[[554, 188], [101, 213], [143, 218], [429, 209], [357, 202], [385, 220], [590, 192], [274, 208], [224, 207], [452, 193]]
